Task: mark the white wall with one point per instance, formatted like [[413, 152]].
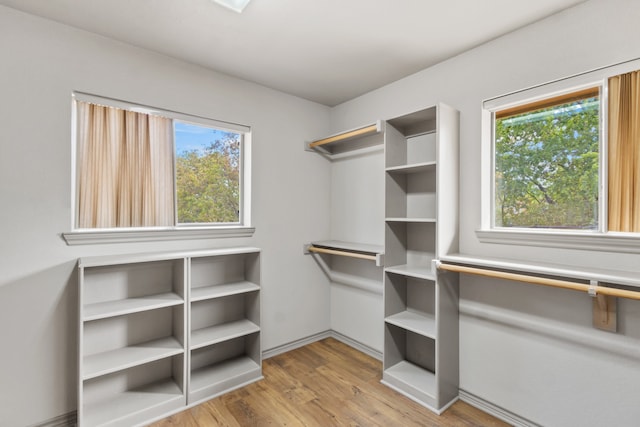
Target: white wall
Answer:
[[42, 63], [530, 350], [357, 215]]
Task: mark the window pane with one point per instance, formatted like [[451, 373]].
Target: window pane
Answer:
[[207, 174], [547, 166]]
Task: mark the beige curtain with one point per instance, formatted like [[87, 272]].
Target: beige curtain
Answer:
[[125, 168], [624, 152]]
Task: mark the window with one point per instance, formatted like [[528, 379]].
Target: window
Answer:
[[207, 174], [562, 166], [146, 169], [547, 163]]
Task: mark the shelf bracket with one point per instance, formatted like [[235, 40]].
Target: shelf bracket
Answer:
[[605, 309]]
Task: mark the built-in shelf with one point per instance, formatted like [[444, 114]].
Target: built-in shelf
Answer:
[[134, 407], [106, 309], [153, 326], [412, 380], [220, 333], [210, 380], [421, 222], [424, 220], [412, 168], [344, 142], [219, 291], [107, 362], [424, 272], [420, 323]]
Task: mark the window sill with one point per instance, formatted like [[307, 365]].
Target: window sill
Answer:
[[92, 237], [591, 241]]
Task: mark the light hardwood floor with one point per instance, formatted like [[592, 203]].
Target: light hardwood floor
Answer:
[[326, 383]]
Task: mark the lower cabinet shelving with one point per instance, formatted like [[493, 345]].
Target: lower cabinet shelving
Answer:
[[420, 336], [224, 366], [135, 395], [160, 332]]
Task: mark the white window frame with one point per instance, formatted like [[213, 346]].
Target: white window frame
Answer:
[[597, 240], [243, 228]]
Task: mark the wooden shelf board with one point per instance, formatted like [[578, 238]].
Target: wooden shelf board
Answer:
[[106, 309], [132, 407], [421, 323], [224, 290], [416, 271], [219, 333], [412, 168], [127, 357], [211, 376], [346, 136]]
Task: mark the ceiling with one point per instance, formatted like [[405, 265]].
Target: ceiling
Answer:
[[328, 51]]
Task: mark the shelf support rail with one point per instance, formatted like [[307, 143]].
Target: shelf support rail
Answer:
[[604, 297]]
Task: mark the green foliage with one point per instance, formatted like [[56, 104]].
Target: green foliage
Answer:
[[547, 167], [208, 183]]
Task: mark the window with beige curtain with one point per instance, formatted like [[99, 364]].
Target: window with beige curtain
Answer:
[[624, 152], [138, 167], [125, 168]]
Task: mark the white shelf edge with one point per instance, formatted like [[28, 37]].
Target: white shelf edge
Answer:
[[223, 290], [419, 323], [417, 220], [103, 310], [219, 333], [415, 271], [108, 362], [112, 260], [93, 237], [412, 168]]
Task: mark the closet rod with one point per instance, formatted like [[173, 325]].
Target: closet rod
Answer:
[[343, 253], [345, 136], [592, 290]]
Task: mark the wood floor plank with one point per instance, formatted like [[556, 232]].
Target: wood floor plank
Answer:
[[326, 383]]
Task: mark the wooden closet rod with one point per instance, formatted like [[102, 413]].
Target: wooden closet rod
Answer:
[[343, 253], [602, 290], [346, 135]]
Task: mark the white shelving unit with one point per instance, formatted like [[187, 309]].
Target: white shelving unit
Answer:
[[421, 209], [224, 344], [146, 350]]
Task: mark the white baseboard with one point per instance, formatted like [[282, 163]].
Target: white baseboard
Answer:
[[320, 336], [66, 420], [357, 345], [295, 344], [496, 411]]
